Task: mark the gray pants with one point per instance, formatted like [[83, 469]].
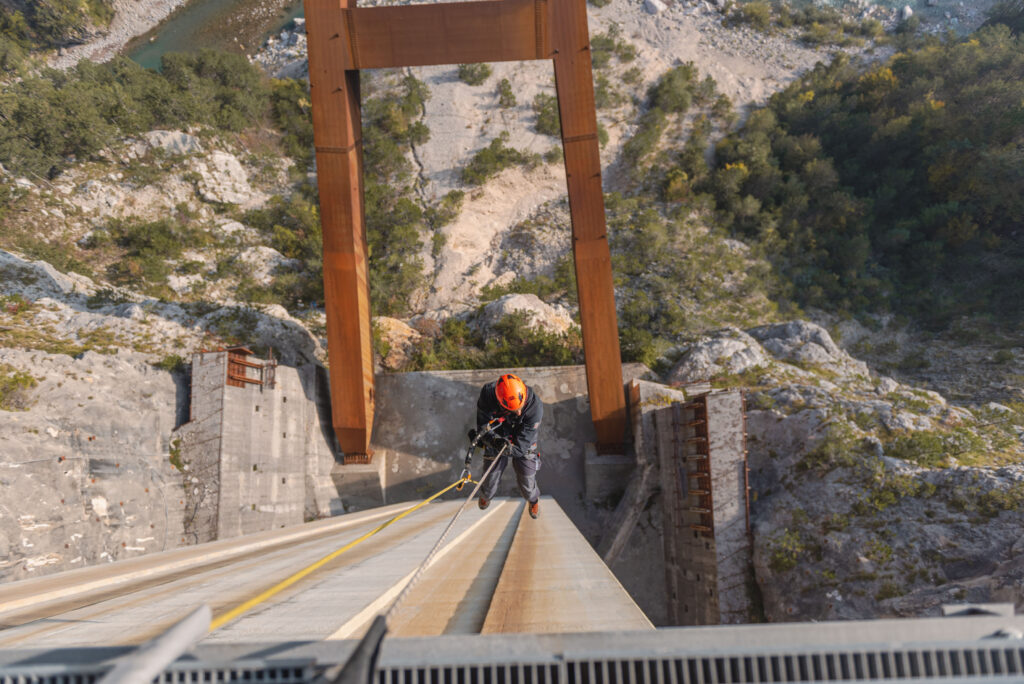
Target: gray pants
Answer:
[[526, 475]]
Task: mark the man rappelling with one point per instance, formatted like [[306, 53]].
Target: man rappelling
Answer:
[[519, 410]]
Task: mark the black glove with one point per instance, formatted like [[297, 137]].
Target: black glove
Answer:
[[472, 435], [495, 441]]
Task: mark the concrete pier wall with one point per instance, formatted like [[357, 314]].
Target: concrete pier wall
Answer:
[[256, 457]]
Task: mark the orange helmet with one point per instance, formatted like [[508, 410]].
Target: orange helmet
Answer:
[[511, 392]]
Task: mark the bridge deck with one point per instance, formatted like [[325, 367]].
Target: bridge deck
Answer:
[[500, 571]]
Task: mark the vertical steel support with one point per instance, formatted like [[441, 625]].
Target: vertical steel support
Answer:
[[570, 42], [342, 39], [338, 136]]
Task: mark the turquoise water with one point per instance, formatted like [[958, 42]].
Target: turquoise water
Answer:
[[198, 25]]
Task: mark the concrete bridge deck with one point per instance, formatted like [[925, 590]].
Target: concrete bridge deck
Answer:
[[500, 571]]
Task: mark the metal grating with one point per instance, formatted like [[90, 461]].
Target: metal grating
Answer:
[[990, 661], [179, 673]]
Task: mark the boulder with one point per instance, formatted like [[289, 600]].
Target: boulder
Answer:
[[263, 262], [540, 315], [654, 6], [175, 143], [399, 339], [724, 351], [223, 179], [906, 12], [807, 343]]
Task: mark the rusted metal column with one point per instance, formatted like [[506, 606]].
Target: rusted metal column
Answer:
[[570, 42], [338, 136]]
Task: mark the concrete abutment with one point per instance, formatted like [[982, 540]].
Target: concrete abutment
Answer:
[[260, 456]]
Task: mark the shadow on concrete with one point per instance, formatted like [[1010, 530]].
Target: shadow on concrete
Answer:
[[469, 621], [182, 396]]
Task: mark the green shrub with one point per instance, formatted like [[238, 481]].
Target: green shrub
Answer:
[[674, 91], [859, 208], [786, 549], [548, 120], [506, 98], [292, 108], [474, 74], [447, 210], [518, 345], [172, 363], [491, 160], [53, 116], [646, 138], [923, 447], [839, 448], [757, 14], [605, 94], [14, 388], [889, 590]]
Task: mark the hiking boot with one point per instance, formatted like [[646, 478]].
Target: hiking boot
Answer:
[[535, 509], [483, 503]]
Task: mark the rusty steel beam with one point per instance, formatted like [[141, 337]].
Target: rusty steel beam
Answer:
[[343, 39], [570, 43], [338, 138], [447, 33]]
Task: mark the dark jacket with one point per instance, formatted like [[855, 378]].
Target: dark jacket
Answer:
[[520, 430]]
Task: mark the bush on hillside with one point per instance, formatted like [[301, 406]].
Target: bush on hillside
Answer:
[[548, 120], [474, 74], [293, 114], [55, 117], [53, 23], [901, 183], [506, 98], [493, 159]]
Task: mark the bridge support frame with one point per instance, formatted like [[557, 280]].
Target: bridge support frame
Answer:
[[342, 39]]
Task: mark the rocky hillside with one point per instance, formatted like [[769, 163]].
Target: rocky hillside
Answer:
[[870, 497], [873, 495]]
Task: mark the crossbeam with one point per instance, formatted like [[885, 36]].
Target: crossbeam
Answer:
[[343, 39]]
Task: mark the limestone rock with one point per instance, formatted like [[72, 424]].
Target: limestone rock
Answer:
[[906, 12], [263, 262], [654, 6], [399, 339], [807, 343], [36, 279], [174, 143], [86, 467], [223, 179], [725, 351], [539, 314]]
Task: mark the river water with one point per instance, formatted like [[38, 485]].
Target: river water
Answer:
[[234, 25]]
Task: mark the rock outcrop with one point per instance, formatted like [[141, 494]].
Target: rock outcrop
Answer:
[[870, 498], [537, 314]]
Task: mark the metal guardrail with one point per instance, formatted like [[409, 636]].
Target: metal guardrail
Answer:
[[995, 660]]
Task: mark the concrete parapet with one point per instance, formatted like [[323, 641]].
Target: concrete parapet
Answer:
[[256, 453], [421, 421], [605, 475]]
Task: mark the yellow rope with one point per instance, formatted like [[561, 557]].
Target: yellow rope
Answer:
[[284, 584]]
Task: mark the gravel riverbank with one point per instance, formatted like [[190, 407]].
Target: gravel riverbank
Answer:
[[131, 18]]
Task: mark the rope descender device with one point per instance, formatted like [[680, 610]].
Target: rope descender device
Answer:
[[466, 476]]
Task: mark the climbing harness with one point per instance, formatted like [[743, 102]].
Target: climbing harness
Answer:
[[488, 429]]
